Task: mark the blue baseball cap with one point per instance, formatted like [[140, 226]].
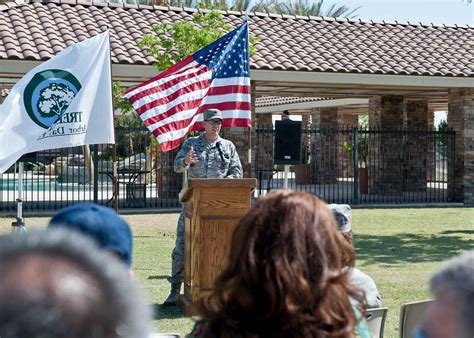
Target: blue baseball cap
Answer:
[[111, 232]]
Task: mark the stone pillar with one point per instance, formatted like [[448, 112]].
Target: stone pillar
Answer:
[[385, 162], [430, 156], [461, 120], [416, 146], [346, 121], [324, 157], [307, 136]]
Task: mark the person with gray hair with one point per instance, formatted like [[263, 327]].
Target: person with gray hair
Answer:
[[343, 215], [57, 283], [450, 314], [205, 156]]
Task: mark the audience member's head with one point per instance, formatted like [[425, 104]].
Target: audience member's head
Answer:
[[58, 284], [284, 274], [450, 314], [343, 215], [103, 224], [285, 115]]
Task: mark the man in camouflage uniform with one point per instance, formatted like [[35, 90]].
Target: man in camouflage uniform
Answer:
[[203, 156]]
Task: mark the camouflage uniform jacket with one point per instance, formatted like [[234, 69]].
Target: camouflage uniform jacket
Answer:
[[218, 159]]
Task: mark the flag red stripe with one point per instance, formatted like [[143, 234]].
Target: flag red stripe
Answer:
[[181, 91], [231, 89], [170, 70], [166, 85], [230, 122], [170, 145], [192, 103], [173, 144], [187, 105], [180, 124]]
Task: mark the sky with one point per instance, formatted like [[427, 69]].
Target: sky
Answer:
[[425, 11]]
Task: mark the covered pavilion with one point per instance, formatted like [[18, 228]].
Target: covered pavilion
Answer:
[[397, 72]]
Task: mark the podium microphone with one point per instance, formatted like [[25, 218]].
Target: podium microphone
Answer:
[[218, 146]]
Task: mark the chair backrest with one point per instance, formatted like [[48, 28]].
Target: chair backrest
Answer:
[[376, 320], [410, 315]]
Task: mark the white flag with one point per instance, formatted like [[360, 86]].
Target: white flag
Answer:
[[64, 102]]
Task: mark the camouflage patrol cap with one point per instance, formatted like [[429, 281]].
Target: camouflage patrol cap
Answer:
[[343, 215], [212, 114]]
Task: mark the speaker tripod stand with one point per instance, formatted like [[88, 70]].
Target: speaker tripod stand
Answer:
[[19, 225]]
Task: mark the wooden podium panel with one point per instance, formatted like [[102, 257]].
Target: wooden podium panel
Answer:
[[212, 209]]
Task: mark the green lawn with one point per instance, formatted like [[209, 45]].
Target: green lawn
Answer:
[[399, 248]]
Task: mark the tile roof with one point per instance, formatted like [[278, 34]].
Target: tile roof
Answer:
[[37, 30], [269, 101]]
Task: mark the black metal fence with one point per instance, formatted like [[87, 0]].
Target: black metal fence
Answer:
[[368, 167], [340, 165], [56, 178]]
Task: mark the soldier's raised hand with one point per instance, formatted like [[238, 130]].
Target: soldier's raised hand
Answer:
[[190, 157]]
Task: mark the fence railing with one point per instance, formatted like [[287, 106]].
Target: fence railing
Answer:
[[56, 178], [364, 166], [341, 166]]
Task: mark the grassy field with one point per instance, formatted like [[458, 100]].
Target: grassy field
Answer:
[[399, 248]]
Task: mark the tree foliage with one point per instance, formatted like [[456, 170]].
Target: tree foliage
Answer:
[[171, 43]]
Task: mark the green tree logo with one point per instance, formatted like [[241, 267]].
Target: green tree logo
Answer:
[[54, 100], [48, 95]]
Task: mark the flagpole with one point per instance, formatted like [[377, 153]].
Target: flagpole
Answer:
[[114, 146], [19, 226], [249, 153]]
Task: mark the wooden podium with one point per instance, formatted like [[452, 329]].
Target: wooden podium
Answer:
[[212, 209]]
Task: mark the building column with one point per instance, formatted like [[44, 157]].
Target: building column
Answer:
[[324, 157], [430, 158], [346, 121], [416, 146], [385, 162], [306, 126], [461, 120]]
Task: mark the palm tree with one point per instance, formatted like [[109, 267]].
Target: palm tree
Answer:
[[306, 7], [293, 7]]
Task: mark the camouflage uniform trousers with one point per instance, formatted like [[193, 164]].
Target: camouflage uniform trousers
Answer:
[[218, 159], [177, 256]]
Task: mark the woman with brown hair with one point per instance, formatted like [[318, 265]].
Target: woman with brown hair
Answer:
[[284, 276]]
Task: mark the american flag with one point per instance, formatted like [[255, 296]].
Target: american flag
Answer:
[[217, 76]]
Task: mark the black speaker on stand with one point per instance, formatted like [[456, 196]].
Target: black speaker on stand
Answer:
[[287, 142], [287, 146]]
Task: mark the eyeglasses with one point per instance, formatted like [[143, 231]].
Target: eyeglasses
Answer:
[[215, 122]]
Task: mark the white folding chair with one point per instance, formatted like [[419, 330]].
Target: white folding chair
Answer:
[[410, 315], [376, 320]]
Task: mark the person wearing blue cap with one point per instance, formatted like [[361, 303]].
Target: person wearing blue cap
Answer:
[[205, 156], [111, 232]]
